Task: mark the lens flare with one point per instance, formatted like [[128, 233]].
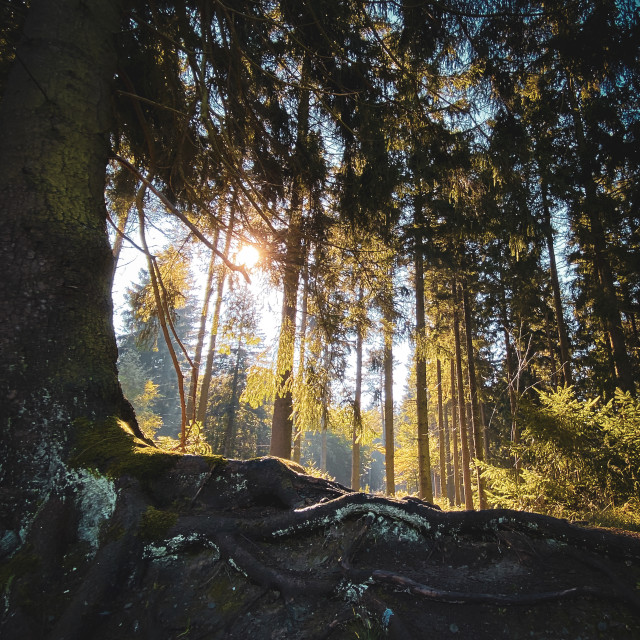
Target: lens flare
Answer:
[[247, 256]]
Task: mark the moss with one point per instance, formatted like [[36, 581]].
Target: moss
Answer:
[[112, 448], [23, 563], [155, 523]]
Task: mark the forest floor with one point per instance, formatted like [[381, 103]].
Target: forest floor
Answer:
[[206, 548]]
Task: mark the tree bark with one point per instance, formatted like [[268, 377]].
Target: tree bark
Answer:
[[204, 315], [474, 413], [389, 445], [464, 440], [57, 345], [454, 436], [424, 459], [441, 438], [609, 307], [563, 338], [203, 400], [356, 432]]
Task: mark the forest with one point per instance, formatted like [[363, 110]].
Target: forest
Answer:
[[436, 184], [374, 271]]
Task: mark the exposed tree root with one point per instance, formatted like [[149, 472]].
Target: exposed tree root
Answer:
[[337, 560]]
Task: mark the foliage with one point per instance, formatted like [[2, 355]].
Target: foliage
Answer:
[[195, 443], [141, 391], [578, 456]]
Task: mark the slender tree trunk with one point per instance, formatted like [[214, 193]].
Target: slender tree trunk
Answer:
[[563, 338], [162, 316], [297, 440], [485, 435], [464, 440], [389, 445], [204, 315], [203, 400], [474, 413], [424, 459], [447, 446], [230, 434], [454, 436], [511, 383], [441, 432], [356, 433]]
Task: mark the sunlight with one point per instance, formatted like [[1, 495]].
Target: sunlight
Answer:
[[247, 256]]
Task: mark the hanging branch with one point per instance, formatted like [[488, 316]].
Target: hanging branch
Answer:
[[173, 209], [153, 275]]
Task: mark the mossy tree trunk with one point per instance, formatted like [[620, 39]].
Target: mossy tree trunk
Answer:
[[57, 345]]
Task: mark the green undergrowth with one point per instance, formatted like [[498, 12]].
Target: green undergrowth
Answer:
[[112, 448]]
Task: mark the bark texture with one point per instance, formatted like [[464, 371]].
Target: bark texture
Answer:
[[57, 345]]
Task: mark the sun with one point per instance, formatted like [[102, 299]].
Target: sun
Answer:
[[247, 256]]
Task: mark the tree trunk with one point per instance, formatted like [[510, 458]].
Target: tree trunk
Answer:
[[203, 400], [454, 437], [424, 460], [154, 275], [474, 413], [441, 438], [204, 315], [609, 307], [356, 432], [563, 339], [282, 422], [464, 440], [57, 345], [389, 445], [297, 440], [511, 382], [447, 446], [230, 434]]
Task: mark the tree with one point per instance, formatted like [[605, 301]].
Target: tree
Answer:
[[55, 256]]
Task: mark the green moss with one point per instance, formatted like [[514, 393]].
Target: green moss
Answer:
[[155, 523], [112, 449]]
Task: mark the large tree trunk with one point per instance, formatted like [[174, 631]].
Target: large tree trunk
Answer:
[[57, 346], [282, 422]]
